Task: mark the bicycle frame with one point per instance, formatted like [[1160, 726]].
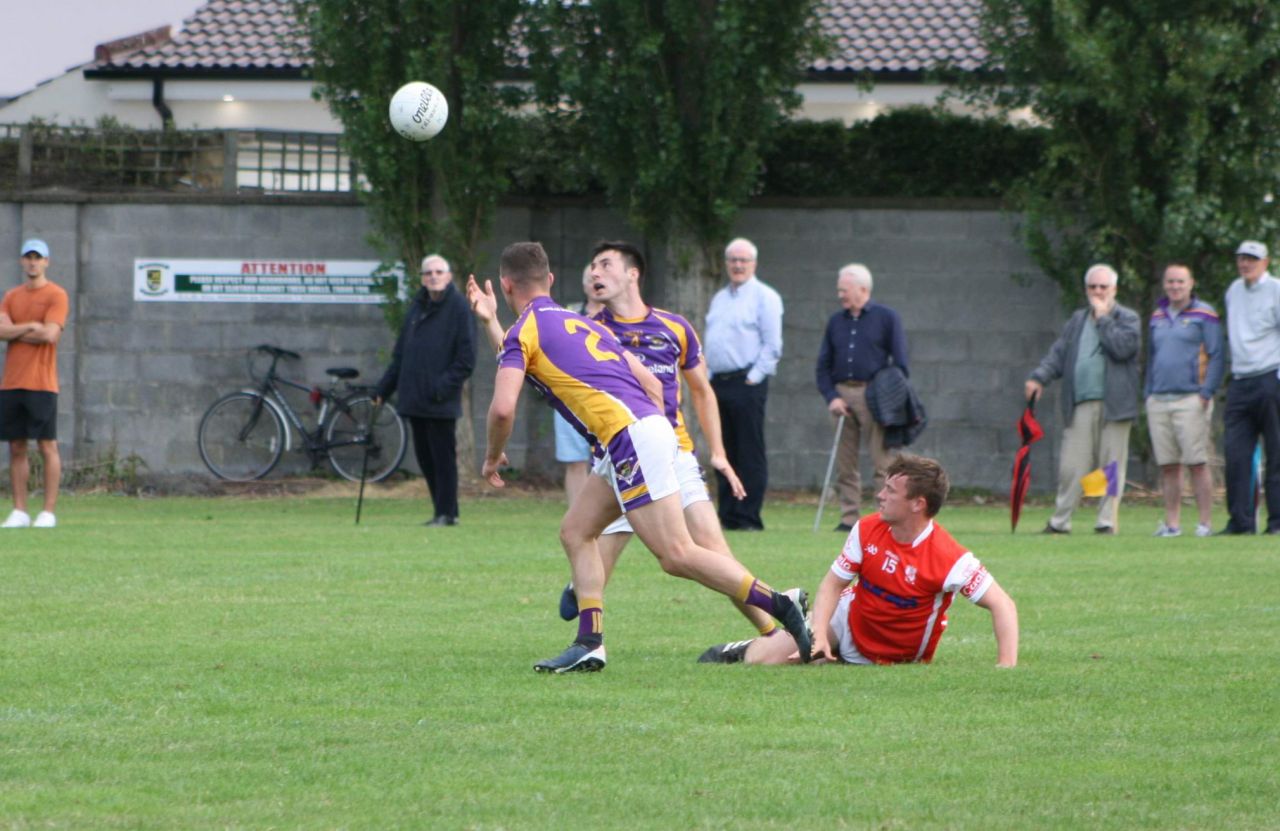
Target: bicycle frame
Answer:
[[272, 392]]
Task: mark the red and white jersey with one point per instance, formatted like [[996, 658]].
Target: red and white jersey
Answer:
[[899, 605]]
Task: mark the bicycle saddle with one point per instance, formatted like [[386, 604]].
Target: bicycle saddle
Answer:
[[342, 372]]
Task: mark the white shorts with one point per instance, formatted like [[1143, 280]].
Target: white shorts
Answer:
[[640, 462], [693, 488], [840, 625]]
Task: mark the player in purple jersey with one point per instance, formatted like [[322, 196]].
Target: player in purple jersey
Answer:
[[597, 385], [668, 346]]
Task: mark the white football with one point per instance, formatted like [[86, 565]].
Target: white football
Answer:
[[418, 111]]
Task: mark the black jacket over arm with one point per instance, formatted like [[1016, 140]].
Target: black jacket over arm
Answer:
[[434, 356]]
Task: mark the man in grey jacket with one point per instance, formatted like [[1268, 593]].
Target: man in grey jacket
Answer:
[[1096, 356]]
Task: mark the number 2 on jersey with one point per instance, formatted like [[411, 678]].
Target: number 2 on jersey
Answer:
[[573, 327]]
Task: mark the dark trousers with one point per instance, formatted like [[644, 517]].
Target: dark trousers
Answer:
[[742, 426], [1253, 410], [436, 446]]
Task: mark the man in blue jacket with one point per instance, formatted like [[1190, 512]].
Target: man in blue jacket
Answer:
[[1096, 356], [1185, 365], [434, 356]]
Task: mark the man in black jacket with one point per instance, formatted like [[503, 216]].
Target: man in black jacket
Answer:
[[434, 356]]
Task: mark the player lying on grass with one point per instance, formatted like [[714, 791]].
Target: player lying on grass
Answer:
[[599, 388], [908, 570], [668, 346]]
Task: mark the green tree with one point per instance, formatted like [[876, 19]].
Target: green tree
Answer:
[[1161, 141], [438, 195], [676, 98]]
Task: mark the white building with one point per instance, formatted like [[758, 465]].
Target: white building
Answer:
[[231, 66]]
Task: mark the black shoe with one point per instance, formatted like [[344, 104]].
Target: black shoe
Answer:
[[1104, 529], [745, 528], [568, 602], [791, 616], [726, 653], [844, 528], [441, 519], [577, 658], [1049, 529], [1230, 531]]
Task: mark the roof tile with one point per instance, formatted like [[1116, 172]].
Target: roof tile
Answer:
[[869, 36]]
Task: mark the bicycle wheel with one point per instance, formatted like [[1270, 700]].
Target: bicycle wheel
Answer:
[[241, 437], [345, 438]]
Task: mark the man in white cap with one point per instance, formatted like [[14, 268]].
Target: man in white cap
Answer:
[[1253, 396], [32, 317]]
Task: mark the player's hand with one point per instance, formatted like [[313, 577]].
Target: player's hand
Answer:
[[1101, 306], [837, 407], [821, 650], [491, 469], [721, 465], [484, 303], [1032, 390]]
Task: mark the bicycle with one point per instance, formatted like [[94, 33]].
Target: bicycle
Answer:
[[243, 434]]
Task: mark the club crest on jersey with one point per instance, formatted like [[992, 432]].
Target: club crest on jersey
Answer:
[[910, 573]]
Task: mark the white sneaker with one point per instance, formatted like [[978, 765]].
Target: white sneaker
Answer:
[[1167, 531], [1203, 530], [44, 519], [17, 519]]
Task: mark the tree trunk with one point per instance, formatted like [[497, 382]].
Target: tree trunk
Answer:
[[694, 272]]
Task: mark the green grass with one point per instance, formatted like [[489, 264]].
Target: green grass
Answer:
[[224, 663]]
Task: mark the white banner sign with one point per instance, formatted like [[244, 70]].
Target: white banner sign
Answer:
[[257, 281]]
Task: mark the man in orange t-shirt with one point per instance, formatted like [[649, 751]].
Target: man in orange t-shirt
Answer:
[[32, 317]]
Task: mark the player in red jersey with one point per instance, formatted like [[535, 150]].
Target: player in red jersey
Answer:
[[908, 570]]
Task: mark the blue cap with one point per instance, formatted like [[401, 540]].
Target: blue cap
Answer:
[[37, 245]]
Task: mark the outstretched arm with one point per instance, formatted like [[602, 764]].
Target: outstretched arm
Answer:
[[501, 420], [705, 405], [1004, 620], [484, 305], [824, 606]]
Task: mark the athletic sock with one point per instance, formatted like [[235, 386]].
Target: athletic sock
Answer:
[[590, 621], [755, 593], [767, 629]]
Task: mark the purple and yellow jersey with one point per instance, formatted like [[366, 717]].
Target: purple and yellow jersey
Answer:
[[666, 344], [578, 365]]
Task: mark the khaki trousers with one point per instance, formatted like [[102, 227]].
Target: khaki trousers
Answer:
[[1089, 443], [848, 472]]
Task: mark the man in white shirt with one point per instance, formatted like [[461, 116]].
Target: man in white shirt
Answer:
[[1253, 396], [742, 346]]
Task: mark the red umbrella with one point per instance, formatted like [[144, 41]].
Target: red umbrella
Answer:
[[1030, 431]]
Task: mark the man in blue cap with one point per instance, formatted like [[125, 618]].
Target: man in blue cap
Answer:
[[32, 317]]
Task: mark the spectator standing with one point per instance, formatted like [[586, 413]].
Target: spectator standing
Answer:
[[1253, 396], [32, 318], [1096, 356], [743, 346], [861, 339], [572, 450], [1185, 365], [433, 357]]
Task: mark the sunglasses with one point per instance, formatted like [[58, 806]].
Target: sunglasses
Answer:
[[1097, 286]]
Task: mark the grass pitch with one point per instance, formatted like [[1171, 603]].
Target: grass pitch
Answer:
[[229, 663]]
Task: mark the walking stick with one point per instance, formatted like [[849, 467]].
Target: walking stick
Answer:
[[831, 463], [364, 466]]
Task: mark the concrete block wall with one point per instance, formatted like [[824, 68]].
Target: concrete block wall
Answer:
[[136, 377]]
